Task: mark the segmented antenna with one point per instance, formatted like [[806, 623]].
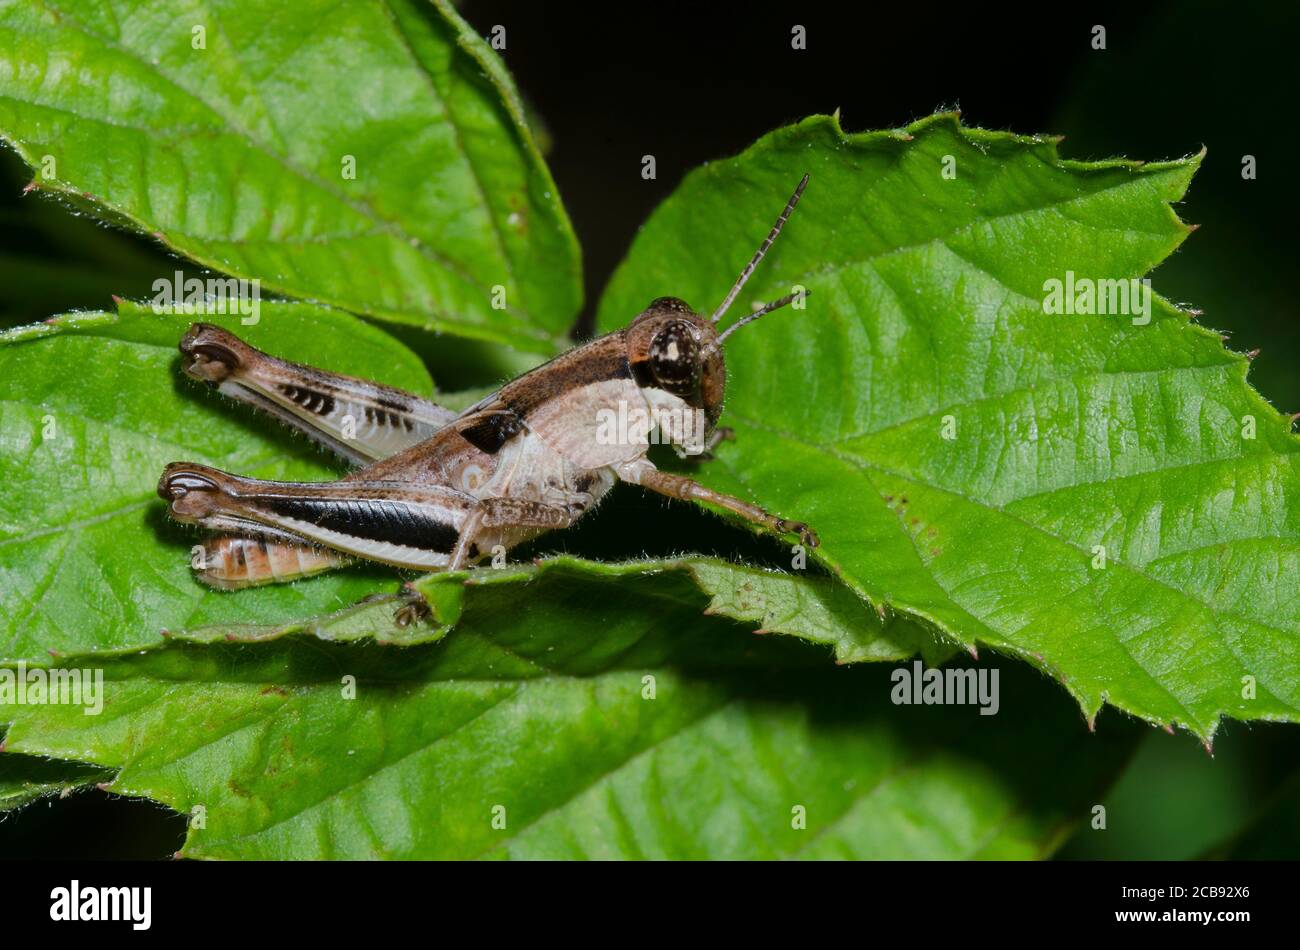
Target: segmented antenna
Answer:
[[758, 256], [765, 309]]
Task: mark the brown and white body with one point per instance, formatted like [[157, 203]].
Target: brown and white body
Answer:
[[439, 490]]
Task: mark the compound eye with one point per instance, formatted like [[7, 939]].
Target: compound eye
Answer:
[[673, 356]]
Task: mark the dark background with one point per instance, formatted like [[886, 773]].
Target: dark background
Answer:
[[688, 83]]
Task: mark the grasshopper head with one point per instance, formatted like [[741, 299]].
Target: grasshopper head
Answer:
[[675, 354], [672, 349]]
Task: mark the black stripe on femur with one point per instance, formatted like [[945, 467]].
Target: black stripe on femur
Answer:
[[399, 416], [382, 417], [322, 404], [488, 431], [396, 522]]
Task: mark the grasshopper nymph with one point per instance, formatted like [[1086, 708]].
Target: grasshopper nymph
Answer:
[[437, 490]]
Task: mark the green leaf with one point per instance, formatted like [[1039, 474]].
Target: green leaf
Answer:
[[235, 153], [1070, 432], [92, 406], [538, 711], [26, 778]]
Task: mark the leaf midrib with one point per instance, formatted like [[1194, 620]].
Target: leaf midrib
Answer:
[[427, 76]]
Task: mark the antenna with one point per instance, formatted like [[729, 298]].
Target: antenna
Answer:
[[765, 309], [758, 256]]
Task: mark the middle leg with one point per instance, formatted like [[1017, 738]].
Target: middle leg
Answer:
[[494, 514]]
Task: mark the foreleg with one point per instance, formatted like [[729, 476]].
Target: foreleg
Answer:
[[643, 473]]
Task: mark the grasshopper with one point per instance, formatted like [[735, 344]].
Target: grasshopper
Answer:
[[439, 490]]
